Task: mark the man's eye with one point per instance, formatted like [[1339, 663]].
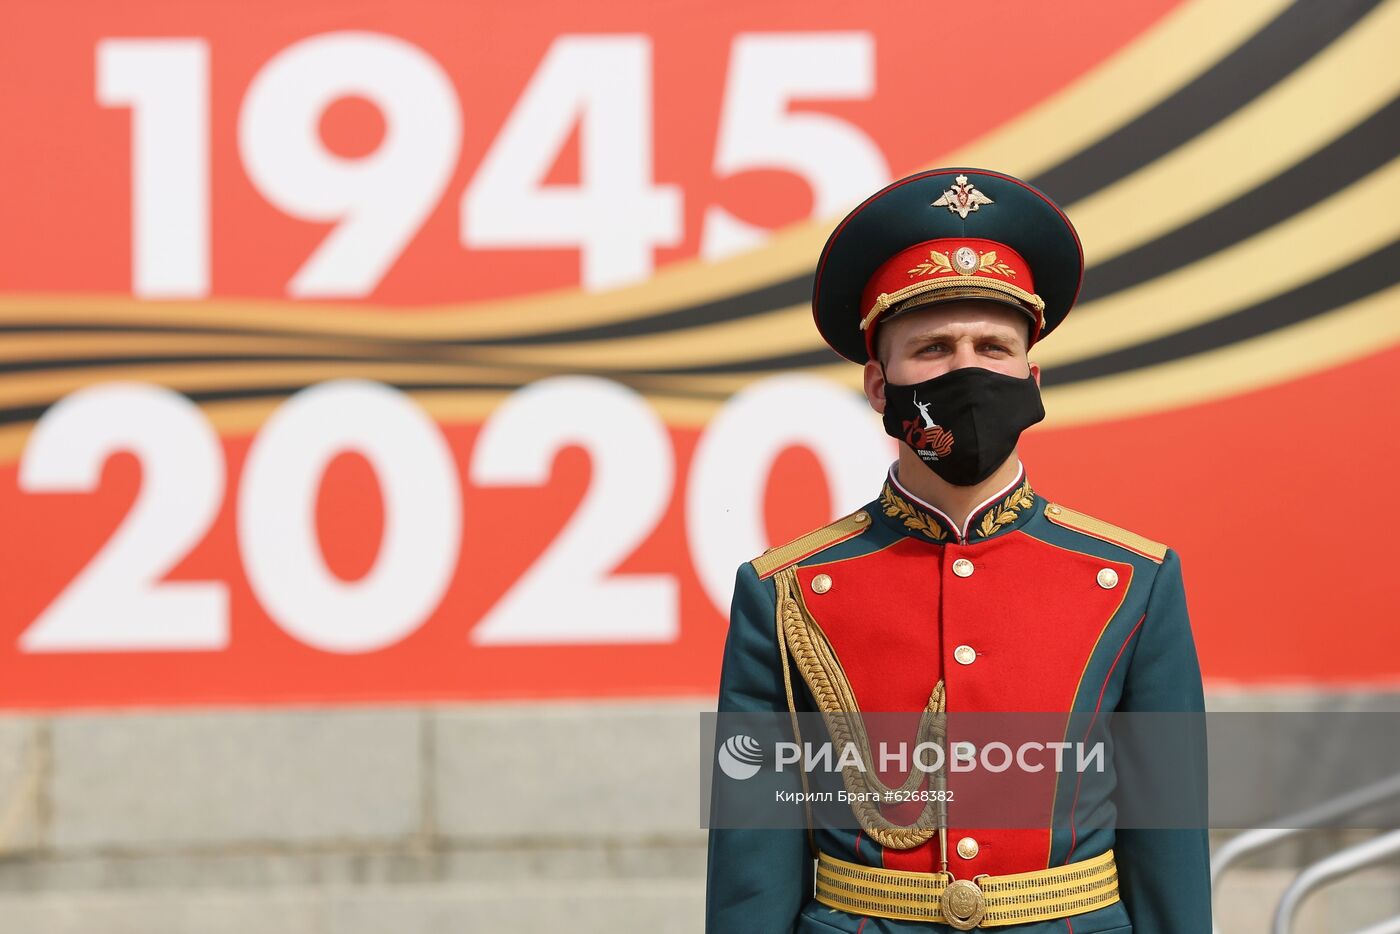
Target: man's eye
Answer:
[[934, 346]]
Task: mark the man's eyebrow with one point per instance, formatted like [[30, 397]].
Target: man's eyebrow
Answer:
[[1001, 334]]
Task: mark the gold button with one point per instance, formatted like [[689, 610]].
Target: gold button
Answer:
[[967, 848], [821, 583], [862, 516], [962, 567], [1108, 578], [965, 654], [1053, 510]]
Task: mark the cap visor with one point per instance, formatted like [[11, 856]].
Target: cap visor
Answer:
[[960, 293]]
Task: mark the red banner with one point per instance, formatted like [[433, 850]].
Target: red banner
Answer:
[[421, 353]]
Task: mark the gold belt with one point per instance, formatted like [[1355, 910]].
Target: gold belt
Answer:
[[984, 901]]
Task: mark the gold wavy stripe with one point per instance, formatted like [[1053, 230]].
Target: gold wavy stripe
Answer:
[[1182, 45], [676, 285], [1320, 101], [1354, 331], [1349, 333], [46, 386], [725, 384], [242, 417], [780, 331], [42, 387], [683, 402], [1335, 231], [448, 406], [81, 345]]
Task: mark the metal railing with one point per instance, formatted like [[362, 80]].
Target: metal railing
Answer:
[[1329, 869], [1385, 927], [1326, 870]]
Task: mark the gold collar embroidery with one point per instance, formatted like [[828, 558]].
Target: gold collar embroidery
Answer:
[[1002, 514], [897, 507], [1005, 513]]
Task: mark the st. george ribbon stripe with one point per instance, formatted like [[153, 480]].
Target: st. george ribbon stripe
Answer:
[[59, 364], [1267, 57], [1339, 287], [1365, 276], [29, 413], [1355, 154]]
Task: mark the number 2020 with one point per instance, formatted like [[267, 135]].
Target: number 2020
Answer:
[[616, 215], [118, 601]]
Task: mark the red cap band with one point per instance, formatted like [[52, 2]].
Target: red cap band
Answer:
[[959, 267]]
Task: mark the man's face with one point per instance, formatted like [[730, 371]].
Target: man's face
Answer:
[[929, 342]]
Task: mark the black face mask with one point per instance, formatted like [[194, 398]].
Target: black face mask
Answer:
[[964, 423]]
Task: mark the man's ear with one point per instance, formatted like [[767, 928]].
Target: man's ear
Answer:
[[875, 385], [1035, 371]]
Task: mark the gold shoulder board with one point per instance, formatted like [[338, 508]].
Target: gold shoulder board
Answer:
[[775, 559], [1107, 531]]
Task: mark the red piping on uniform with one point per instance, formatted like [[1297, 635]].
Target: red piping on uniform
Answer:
[[858, 833], [861, 927], [1073, 830]]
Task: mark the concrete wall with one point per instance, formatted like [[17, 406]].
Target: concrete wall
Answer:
[[516, 818], [438, 819]]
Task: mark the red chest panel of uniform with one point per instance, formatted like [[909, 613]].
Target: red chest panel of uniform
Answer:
[[1009, 624], [881, 616], [1026, 614]]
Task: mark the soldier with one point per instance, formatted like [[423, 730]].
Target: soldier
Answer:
[[960, 587]]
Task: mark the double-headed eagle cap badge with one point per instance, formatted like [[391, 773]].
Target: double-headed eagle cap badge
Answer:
[[962, 199]]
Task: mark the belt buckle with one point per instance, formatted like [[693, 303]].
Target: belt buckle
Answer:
[[963, 904]]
